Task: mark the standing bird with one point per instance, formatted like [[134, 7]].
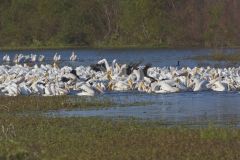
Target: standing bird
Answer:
[[73, 57], [33, 57], [6, 58], [41, 58], [56, 57], [178, 64]]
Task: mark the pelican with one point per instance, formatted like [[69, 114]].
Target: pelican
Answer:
[[47, 90], [70, 77], [53, 80], [73, 57], [105, 62], [86, 91], [38, 87], [163, 87], [16, 58], [57, 57], [200, 85], [6, 58], [33, 57], [219, 86], [41, 58], [24, 90]]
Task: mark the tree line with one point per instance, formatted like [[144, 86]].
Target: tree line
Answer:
[[117, 23]]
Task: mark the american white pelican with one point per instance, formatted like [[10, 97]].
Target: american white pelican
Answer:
[[86, 91], [41, 58], [200, 85], [105, 62], [163, 87], [219, 86], [73, 57], [57, 57], [6, 58], [33, 57], [52, 80]]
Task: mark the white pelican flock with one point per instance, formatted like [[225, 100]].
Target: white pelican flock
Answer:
[[102, 77]]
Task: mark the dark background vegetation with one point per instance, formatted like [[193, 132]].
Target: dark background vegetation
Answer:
[[119, 23]]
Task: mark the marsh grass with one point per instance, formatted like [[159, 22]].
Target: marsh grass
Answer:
[[37, 137], [38, 103], [92, 138]]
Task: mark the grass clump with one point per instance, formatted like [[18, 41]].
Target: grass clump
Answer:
[[214, 133], [38, 103], [93, 138]]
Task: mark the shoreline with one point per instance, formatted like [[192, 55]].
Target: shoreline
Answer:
[[29, 48]]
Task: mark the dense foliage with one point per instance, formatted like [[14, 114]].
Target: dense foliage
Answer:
[[117, 23]]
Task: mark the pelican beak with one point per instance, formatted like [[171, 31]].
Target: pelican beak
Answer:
[[99, 89], [109, 76], [198, 69], [110, 86], [46, 79], [130, 83], [142, 86], [118, 67], [55, 65], [35, 79]]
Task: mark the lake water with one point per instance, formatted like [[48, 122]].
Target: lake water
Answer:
[[194, 108], [177, 108], [157, 57]]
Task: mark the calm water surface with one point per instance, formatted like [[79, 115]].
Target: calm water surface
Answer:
[[220, 108], [189, 107], [158, 57]]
